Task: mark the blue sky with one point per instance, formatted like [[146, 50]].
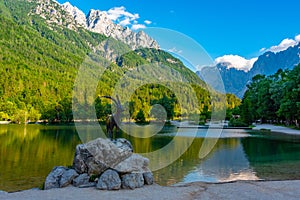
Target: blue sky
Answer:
[[231, 27]]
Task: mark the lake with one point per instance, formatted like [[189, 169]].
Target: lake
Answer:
[[28, 153]]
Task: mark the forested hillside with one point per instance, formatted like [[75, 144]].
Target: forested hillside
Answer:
[[39, 64]]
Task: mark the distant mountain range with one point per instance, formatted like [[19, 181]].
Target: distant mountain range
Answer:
[[235, 81]]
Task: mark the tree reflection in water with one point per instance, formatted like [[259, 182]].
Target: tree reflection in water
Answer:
[[28, 153]]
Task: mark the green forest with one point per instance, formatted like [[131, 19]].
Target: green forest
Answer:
[[273, 99], [39, 63]]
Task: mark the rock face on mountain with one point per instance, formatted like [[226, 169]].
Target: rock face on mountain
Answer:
[[77, 14], [235, 81], [269, 63], [53, 13], [96, 21]]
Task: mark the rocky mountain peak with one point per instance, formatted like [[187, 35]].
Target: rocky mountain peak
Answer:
[[76, 13], [99, 22], [96, 21], [53, 13], [270, 62]]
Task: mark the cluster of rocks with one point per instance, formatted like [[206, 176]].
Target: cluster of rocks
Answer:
[[105, 165]]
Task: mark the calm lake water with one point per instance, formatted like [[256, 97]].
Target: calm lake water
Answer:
[[28, 153]]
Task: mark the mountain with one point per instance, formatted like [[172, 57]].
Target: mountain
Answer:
[[76, 13], [269, 63], [43, 46], [99, 22], [96, 21], [235, 80]]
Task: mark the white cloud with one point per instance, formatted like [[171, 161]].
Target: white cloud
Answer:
[[262, 50], [147, 22], [125, 22], [237, 62], [241, 63], [174, 50], [120, 12], [120, 16], [137, 26], [285, 44]]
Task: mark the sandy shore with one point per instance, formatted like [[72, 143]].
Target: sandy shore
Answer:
[[279, 129], [235, 190]]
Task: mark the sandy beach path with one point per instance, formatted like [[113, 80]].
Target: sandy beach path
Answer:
[[279, 129], [288, 190]]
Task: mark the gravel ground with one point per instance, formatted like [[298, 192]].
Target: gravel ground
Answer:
[[235, 190]]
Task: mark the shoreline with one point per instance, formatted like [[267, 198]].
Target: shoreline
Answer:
[[197, 190], [277, 129]]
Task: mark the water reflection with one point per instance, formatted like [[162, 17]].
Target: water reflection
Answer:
[[28, 153], [226, 162], [274, 157]]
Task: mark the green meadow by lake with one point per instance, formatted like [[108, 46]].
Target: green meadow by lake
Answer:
[[28, 153]]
